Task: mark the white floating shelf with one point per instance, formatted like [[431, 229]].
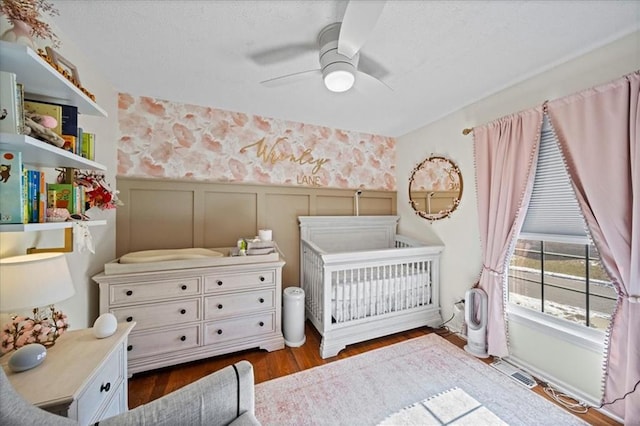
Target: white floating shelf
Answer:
[[41, 154], [41, 79], [48, 226]]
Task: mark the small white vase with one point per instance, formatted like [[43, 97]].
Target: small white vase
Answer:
[[20, 33]]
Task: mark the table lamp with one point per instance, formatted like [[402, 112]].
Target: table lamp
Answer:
[[31, 282]]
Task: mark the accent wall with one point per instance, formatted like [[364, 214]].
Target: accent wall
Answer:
[[170, 140]]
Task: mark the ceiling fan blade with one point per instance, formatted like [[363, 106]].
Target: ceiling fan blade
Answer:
[[369, 82], [359, 20], [282, 53], [372, 67], [291, 78]]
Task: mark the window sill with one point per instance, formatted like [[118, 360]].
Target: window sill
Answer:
[[576, 334]]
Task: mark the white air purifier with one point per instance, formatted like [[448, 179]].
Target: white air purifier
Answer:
[[475, 315]]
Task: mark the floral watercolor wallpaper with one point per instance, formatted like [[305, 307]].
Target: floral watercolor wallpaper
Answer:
[[164, 139]]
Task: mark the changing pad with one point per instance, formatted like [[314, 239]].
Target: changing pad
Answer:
[[168, 254]]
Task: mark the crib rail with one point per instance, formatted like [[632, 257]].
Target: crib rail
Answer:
[[312, 280]]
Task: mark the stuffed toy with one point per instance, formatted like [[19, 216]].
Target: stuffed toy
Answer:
[[39, 126]]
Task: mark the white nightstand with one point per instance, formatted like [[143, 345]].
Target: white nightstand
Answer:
[[82, 378]]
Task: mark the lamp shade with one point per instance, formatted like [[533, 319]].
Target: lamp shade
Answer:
[[33, 281]]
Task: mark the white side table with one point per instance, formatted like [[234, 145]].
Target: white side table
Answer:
[[82, 377]]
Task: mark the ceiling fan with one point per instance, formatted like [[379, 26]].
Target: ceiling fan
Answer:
[[339, 46]]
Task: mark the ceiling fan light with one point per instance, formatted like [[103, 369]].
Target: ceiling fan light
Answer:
[[339, 76]]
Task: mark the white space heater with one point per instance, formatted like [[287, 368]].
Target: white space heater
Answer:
[[475, 315]]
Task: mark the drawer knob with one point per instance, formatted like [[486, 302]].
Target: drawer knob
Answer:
[[184, 287], [219, 331], [183, 311], [261, 278], [219, 305], [129, 292], [219, 282], [130, 347], [183, 338], [261, 300], [105, 388], [129, 319], [261, 324]]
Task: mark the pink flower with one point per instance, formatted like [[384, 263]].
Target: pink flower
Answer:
[[6, 347], [22, 340], [27, 325]]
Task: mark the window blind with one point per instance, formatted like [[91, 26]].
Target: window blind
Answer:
[[553, 208]]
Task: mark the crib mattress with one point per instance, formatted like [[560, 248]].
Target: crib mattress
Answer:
[[351, 299]]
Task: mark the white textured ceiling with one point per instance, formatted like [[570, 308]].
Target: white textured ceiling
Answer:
[[438, 56]]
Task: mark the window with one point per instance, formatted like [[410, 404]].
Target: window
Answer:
[[554, 268], [562, 279]]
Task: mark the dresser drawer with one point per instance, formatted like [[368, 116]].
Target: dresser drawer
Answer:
[[97, 394], [116, 405], [238, 328], [162, 341], [218, 306], [153, 290], [226, 282], [160, 314]]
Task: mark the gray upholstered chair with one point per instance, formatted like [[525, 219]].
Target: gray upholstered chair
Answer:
[[221, 398]]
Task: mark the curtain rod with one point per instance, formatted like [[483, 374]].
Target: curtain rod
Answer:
[[467, 131]]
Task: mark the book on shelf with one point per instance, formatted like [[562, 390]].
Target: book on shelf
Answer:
[[25, 196], [42, 199], [68, 122], [35, 196], [33, 181], [20, 105], [79, 138], [87, 147], [11, 187], [43, 108], [64, 195], [69, 143], [9, 112]]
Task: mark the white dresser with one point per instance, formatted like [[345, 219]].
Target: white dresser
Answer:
[[193, 313], [82, 377]]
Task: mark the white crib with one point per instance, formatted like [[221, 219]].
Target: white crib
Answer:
[[363, 281]]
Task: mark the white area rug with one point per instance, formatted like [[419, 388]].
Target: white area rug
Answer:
[[366, 389]]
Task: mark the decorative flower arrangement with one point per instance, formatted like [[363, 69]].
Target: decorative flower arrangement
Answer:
[[29, 12], [98, 192], [21, 331]]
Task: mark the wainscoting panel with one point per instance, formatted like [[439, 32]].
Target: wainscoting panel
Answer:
[[161, 218], [282, 211], [227, 216], [159, 213]]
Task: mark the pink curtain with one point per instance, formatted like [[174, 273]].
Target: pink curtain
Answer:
[[504, 151], [599, 133]]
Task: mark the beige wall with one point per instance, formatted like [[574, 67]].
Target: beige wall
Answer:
[[159, 214], [461, 260], [82, 308]]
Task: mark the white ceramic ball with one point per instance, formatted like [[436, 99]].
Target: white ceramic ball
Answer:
[[27, 357], [105, 325]]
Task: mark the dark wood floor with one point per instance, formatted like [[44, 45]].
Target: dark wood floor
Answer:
[[147, 386]]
